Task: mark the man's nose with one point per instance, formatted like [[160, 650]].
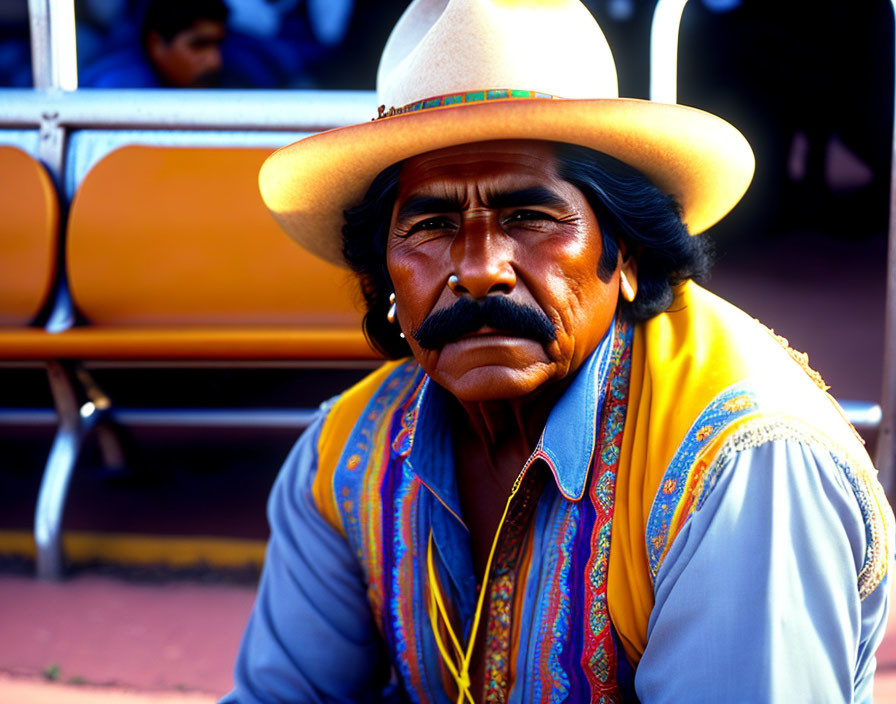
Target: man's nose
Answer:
[[213, 59], [483, 257]]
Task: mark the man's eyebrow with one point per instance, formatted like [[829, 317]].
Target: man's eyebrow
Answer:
[[534, 196], [421, 205]]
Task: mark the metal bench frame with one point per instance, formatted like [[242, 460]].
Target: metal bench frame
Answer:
[[55, 109]]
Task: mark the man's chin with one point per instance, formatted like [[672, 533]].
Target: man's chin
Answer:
[[501, 367], [497, 383]]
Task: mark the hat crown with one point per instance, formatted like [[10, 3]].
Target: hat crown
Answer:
[[442, 47]]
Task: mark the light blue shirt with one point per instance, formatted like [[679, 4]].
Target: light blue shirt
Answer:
[[756, 600]]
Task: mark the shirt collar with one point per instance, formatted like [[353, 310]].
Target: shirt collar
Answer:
[[566, 445], [568, 440]]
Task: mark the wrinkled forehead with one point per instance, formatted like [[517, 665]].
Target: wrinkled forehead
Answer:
[[488, 166]]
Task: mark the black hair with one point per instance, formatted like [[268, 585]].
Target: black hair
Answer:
[[171, 17], [364, 249], [647, 222], [630, 211]]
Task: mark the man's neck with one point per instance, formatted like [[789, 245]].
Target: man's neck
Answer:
[[499, 436]]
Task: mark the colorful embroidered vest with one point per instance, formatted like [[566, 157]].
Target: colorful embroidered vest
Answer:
[[705, 381]]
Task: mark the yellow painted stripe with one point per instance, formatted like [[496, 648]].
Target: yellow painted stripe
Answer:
[[16, 543], [131, 549]]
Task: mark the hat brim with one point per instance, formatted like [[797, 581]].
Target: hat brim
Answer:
[[697, 157]]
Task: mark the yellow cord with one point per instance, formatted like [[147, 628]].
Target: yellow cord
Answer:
[[437, 608]]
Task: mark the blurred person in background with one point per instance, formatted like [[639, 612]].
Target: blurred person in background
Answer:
[[251, 44], [284, 43], [102, 26], [179, 47]]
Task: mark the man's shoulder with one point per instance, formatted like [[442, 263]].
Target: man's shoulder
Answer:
[[346, 410], [717, 383], [349, 421], [703, 346], [727, 379]]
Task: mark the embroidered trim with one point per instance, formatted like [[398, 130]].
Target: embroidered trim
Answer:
[[599, 651], [497, 659], [879, 526], [404, 582], [859, 473], [729, 406], [455, 99], [686, 485], [366, 481], [502, 587], [801, 358], [554, 630]]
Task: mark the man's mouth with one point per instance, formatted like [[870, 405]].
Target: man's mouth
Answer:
[[486, 331]]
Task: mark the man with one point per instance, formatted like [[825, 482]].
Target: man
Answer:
[[591, 480], [180, 47]]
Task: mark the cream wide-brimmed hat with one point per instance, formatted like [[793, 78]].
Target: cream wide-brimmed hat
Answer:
[[462, 71]]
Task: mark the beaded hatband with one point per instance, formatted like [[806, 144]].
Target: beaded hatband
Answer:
[[454, 99]]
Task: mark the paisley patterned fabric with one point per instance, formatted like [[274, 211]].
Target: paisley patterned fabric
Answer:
[[389, 502]]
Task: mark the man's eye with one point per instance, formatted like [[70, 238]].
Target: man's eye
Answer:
[[527, 215], [437, 223]]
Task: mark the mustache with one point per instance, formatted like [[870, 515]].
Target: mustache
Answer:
[[496, 312]]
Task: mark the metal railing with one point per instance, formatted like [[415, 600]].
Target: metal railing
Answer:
[[886, 446], [54, 57], [664, 50], [56, 113], [55, 110]]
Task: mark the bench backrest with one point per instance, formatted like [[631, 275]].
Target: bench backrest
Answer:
[[29, 236], [180, 236]]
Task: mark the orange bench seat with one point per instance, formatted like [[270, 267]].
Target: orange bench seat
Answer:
[[29, 231], [171, 255]]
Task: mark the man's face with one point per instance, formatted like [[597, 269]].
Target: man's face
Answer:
[[497, 216], [192, 59]]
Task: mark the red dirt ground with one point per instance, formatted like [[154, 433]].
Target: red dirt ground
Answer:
[[176, 638], [125, 643]]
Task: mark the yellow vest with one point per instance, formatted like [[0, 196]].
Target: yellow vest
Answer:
[[682, 361], [706, 381]]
